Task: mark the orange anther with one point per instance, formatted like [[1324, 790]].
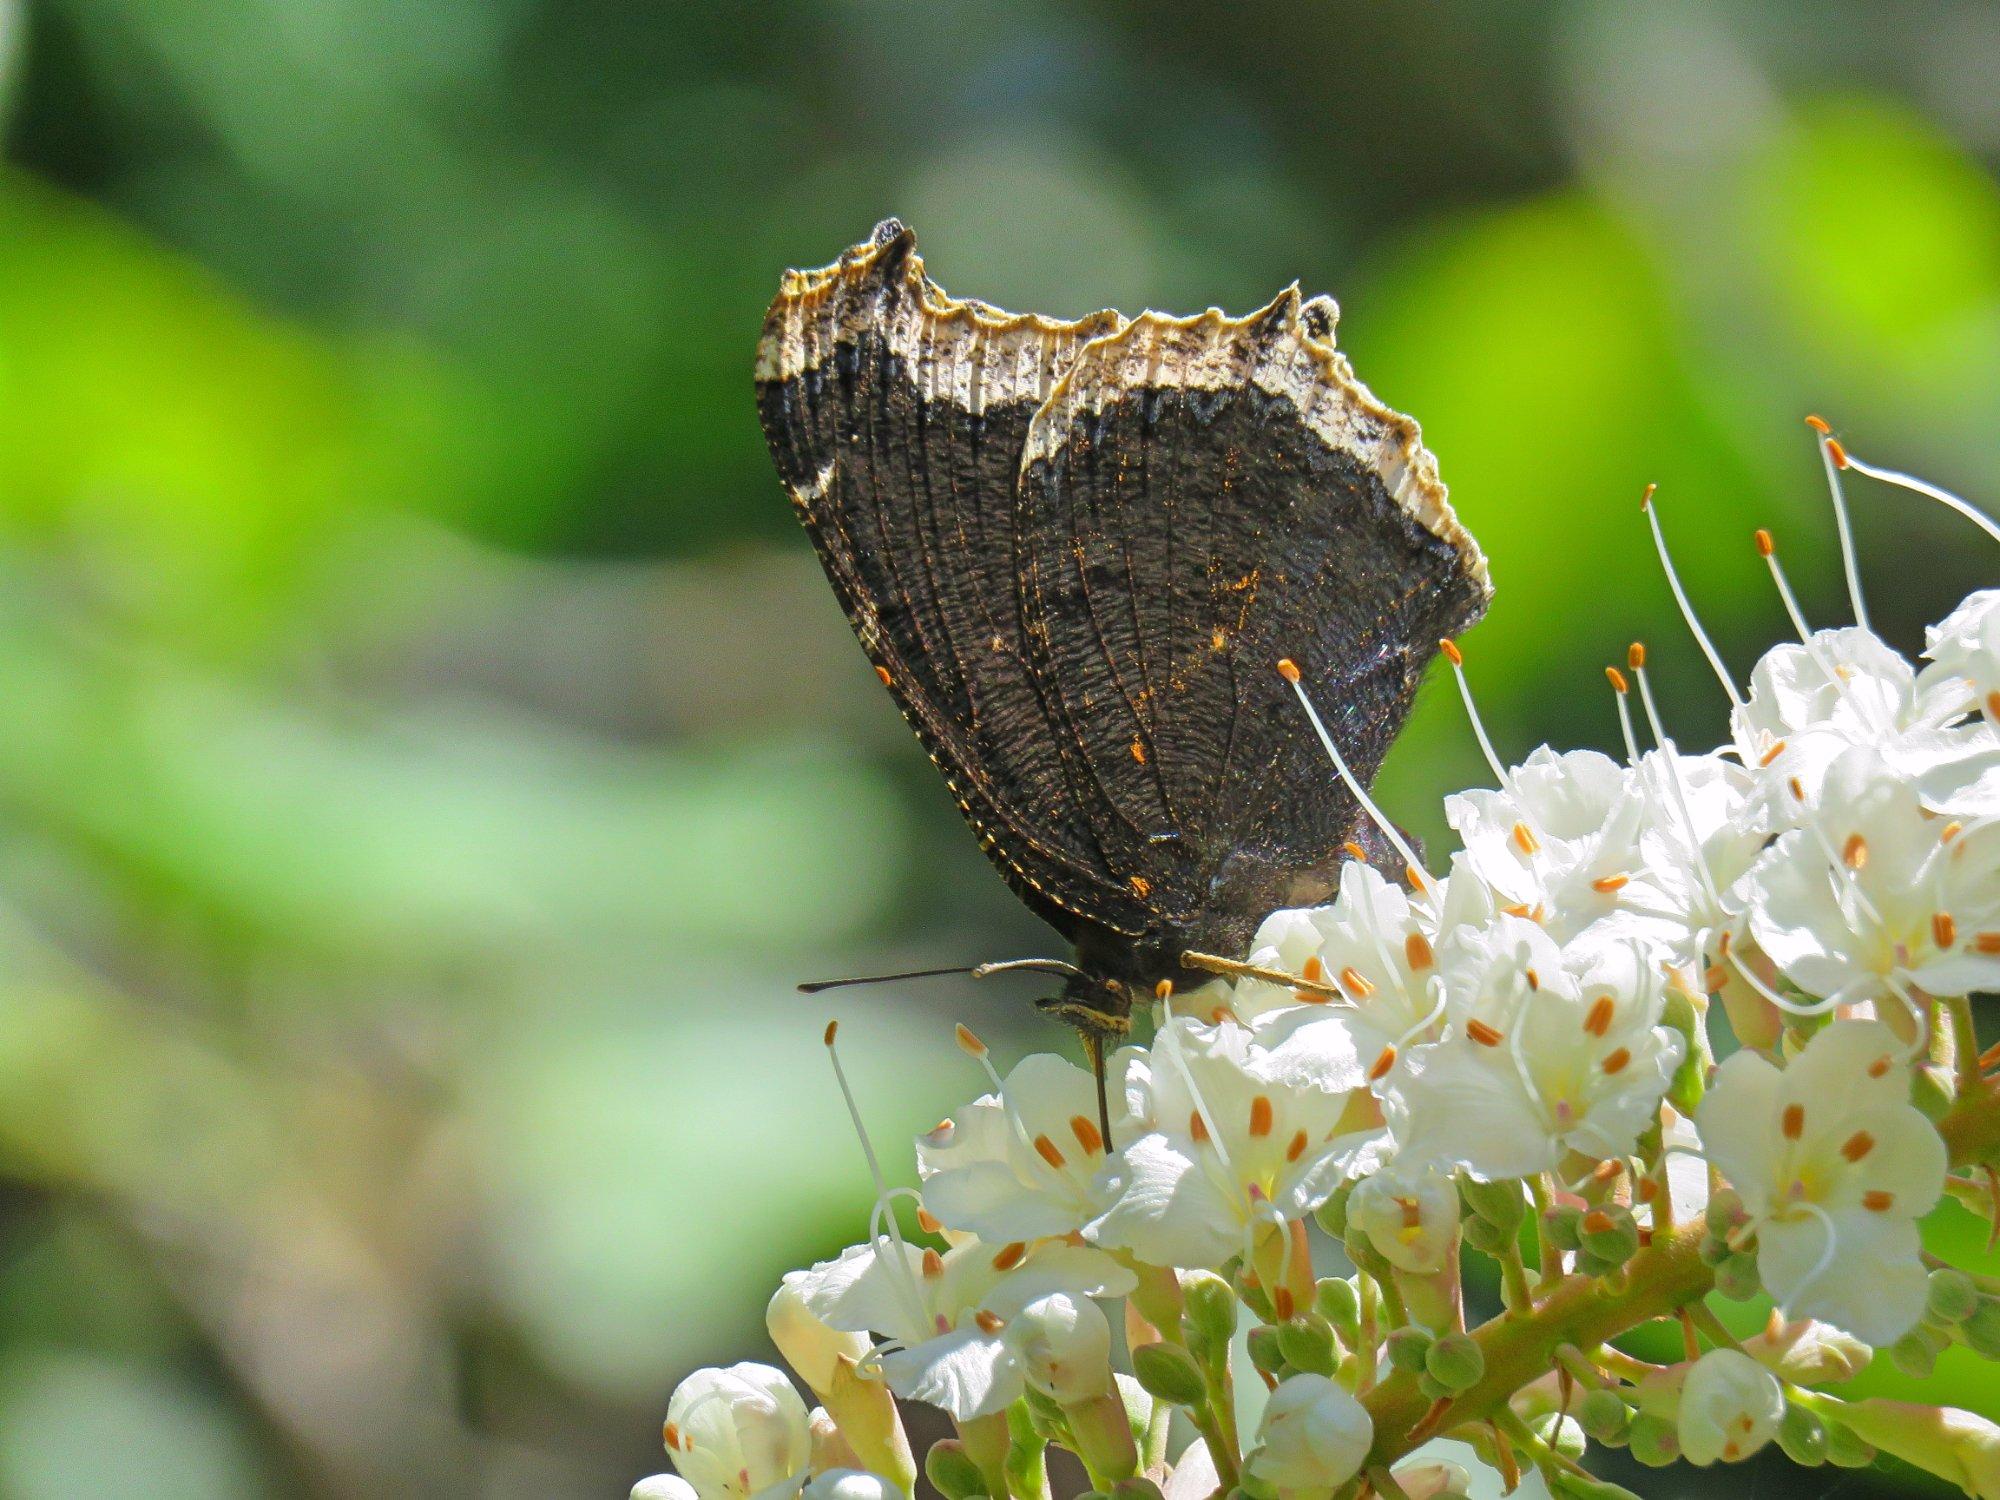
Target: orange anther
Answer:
[[1010, 1256], [1351, 979], [1417, 950], [1353, 850], [927, 1221], [1878, 1201], [1525, 840], [1087, 1134], [1312, 969], [1879, 1067], [1944, 931], [831, 1028], [1288, 669], [1141, 886], [1047, 1151], [1197, 1126], [1818, 425], [1793, 1121], [1838, 453], [1635, 656], [933, 1264], [1615, 1062], [1854, 853], [1596, 1221], [1617, 680], [1164, 990], [1138, 751], [1777, 748], [1598, 1022], [1986, 942], [1797, 788], [672, 1434], [989, 1323], [1282, 1303], [1605, 885], [1765, 546], [883, 673], [1534, 979], [1297, 1148], [1451, 652], [1857, 1145], [1384, 1061], [1483, 1034], [1261, 1116]]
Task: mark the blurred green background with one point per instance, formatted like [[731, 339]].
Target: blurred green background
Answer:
[[429, 756]]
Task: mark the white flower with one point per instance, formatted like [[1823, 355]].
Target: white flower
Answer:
[[1022, 1163], [1730, 1407], [1242, 1134], [1871, 897], [1809, 703], [663, 1487], [808, 1345], [947, 1316], [1550, 1050], [1834, 1166], [739, 1434], [1313, 1437], [1065, 1347], [851, 1484], [1558, 839], [1964, 650], [1372, 942], [1409, 1215], [1701, 836]]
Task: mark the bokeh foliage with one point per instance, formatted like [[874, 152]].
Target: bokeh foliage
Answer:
[[428, 756]]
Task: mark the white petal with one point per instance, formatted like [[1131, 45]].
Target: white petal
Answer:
[[1165, 1209], [1872, 1285], [966, 1372]]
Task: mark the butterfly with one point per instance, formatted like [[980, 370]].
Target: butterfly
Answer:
[[1075, 551]]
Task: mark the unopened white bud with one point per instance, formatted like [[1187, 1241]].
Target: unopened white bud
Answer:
[[1314, 1435], [738, 1432], [809, 1346], [851, 1484], [663, 1487], [1411, 1220], [1065, 1345], [1730, 1407]]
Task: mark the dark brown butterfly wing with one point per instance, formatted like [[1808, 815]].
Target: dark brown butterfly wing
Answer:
[[1075, 552], [1201, 497], [897, 418]]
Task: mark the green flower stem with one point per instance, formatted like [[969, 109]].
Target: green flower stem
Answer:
[[1551, 1257], [1514, 1274], [1711, 1326], [1964, 1044], [1587, 1312], [988, 1442], [1544, 1457]]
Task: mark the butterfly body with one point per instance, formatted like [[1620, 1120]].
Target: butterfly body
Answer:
[[1075, 550]]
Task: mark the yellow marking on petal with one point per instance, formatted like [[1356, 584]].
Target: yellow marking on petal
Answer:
[[1261, 1116]]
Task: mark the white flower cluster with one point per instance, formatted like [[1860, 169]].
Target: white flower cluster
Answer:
[[1515, 1057]]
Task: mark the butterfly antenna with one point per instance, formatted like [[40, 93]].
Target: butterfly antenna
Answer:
[[815, 986], [1028, 966]]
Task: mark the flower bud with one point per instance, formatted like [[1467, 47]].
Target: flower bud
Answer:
[[1485, 1236], [1433, 1479], [1846, 1450], [1332, 1214], [1562, 1433], [736, 1430], [1653, 1440], [1407, 1348], [1411, 1220], [1730, 1407], [1065, 1347], [952, 1472], [1810, 1353], [1455, 1362], [808, 1345], [1208, 1315], [1981, 1331], [1267, 1352], [1168, 1373], [1916, 1352], [1360, 1249], [1605, 1416], [1803, 1437], [1737, 1278], [1724, 1212], [1950, 1296], [850, 1484], [1339, 1302], [1314, 1435], [1609, 1234], [1499, 1203], [1713, 1250], [663, 1487], [1562, 1226], [1307, 1344]]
